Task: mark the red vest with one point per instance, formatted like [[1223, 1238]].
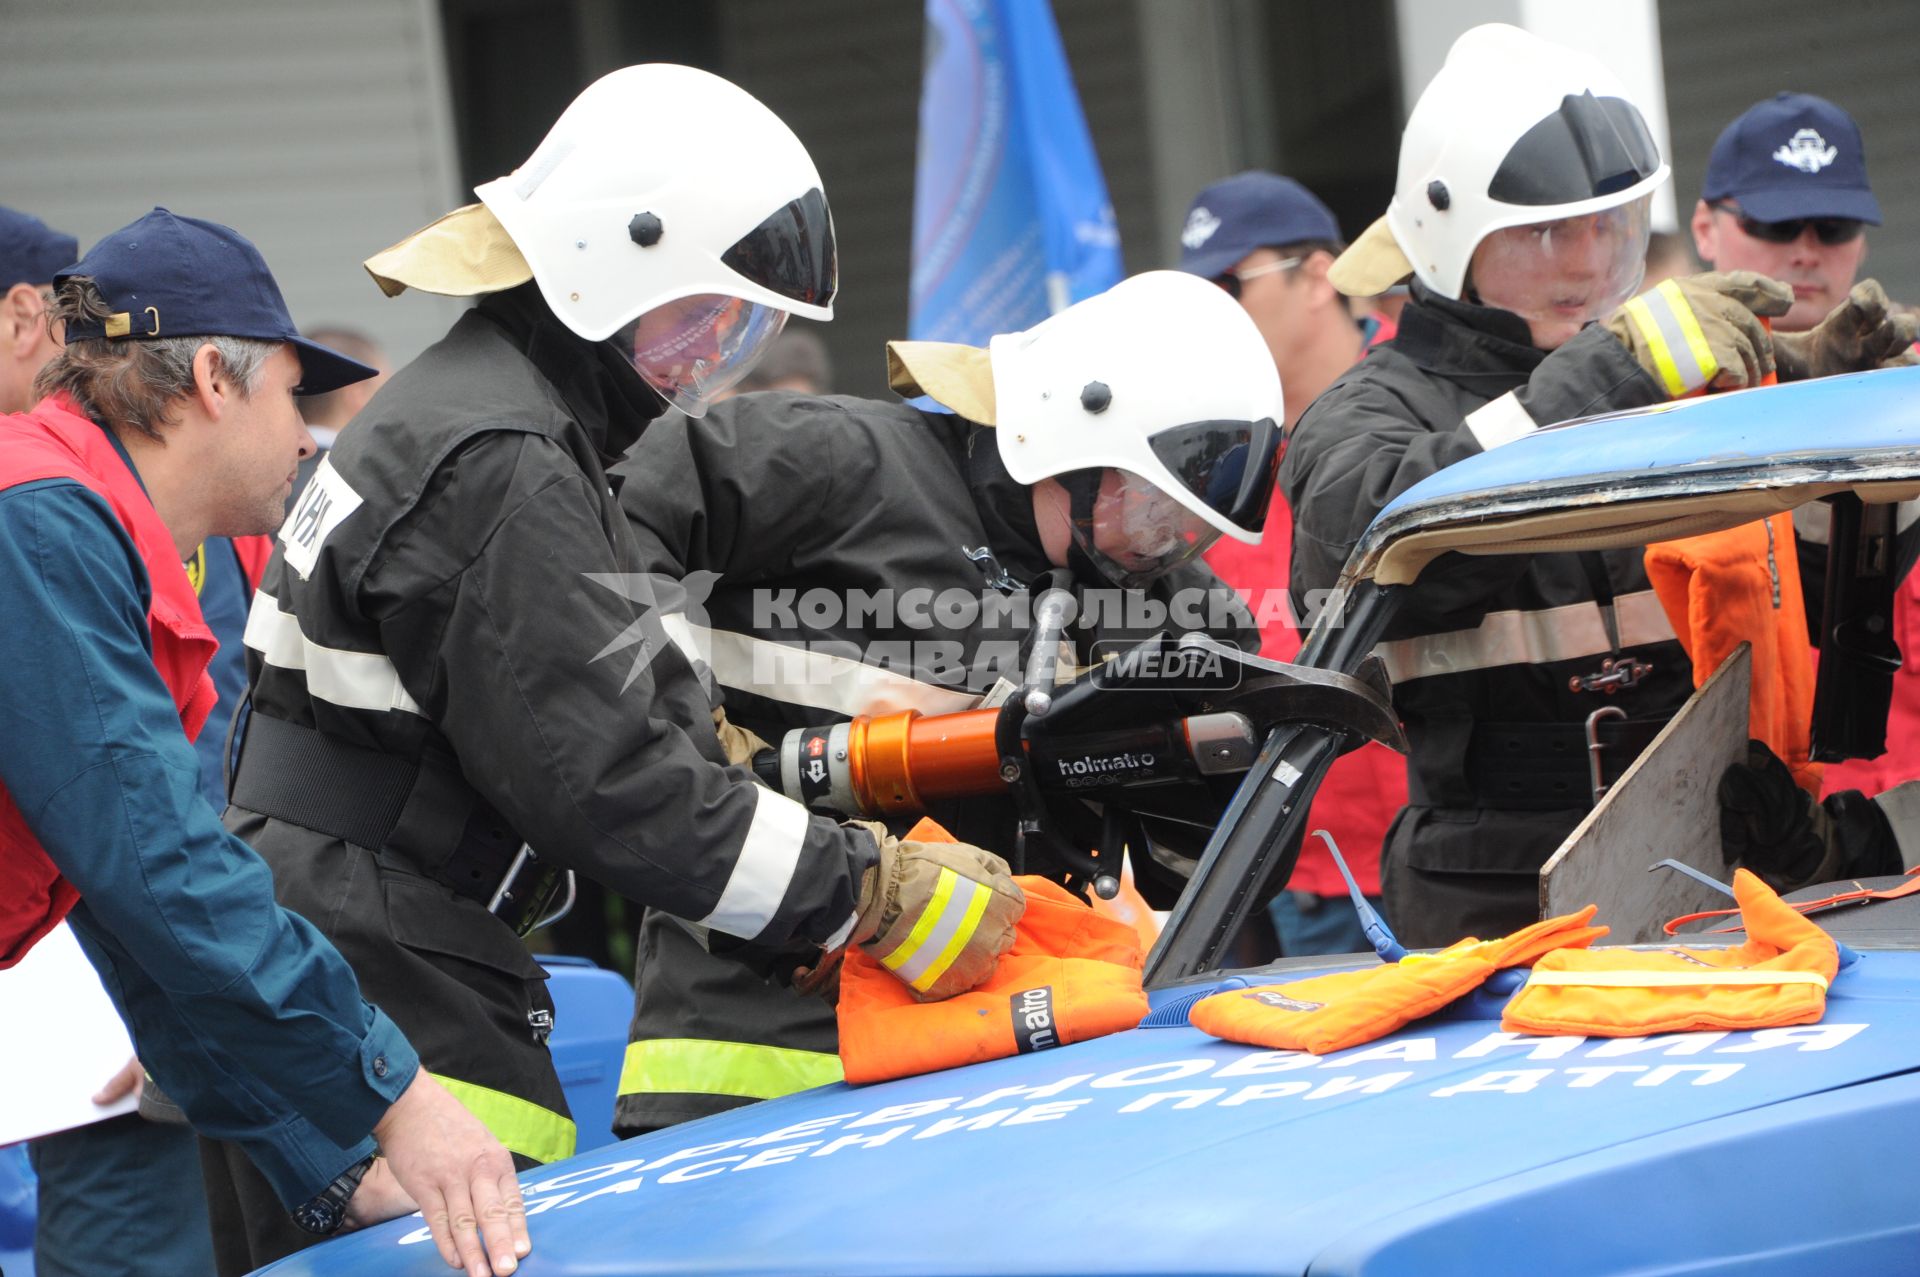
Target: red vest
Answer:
[[55, 442], [1364, 789]]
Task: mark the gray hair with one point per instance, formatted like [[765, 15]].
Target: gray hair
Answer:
[[136, 384]]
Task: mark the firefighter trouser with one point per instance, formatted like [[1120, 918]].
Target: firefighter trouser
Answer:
[[457, 981]]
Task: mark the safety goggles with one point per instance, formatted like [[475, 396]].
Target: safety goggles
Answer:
[[1132, 529], [693, 348], [791, 252], [1232, 280], [1569, 272], [1828, 230]]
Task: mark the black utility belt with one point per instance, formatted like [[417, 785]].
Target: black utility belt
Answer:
[[424, 813], [1546, 766]]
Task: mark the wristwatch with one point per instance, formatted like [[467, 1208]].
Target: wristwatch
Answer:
[[325, 1211]]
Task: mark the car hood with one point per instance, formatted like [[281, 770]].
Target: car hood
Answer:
[[1162, 1150]]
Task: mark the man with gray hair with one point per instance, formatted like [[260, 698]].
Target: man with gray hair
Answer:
[[169, 418]]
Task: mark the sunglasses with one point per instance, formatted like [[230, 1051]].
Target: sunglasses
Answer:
[[1828, 230], [1232, 280]]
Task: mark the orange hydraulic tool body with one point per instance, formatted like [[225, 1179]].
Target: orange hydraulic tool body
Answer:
[[1157, 738]]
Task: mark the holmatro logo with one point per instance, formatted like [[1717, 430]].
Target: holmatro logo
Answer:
[[1033, 1024]]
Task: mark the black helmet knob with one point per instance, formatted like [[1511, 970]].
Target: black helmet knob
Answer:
[[644, 229], [1095, 396]]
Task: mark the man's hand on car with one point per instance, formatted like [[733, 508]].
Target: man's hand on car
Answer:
[[437, 1156]]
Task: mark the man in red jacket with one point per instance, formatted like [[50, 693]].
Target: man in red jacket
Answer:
[[1268, 241], [169, 418]]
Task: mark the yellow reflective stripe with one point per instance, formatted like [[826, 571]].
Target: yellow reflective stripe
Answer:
[[929, 919], [1673, 979], [962, 935], [694, 1066], [1656, 346], [1690, 329], [523, 1126]]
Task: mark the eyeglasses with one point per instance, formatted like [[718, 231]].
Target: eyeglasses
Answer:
[[1232, 280], [1828, 230]]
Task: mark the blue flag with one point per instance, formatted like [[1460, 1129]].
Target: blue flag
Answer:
[[1011, 220]]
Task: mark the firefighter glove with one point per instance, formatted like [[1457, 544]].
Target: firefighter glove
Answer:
[[739, 743], [1788, 838], [936, 914], [1704, 330], [1856, 335]]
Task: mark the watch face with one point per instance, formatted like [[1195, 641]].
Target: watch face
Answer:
[[319, 1216]]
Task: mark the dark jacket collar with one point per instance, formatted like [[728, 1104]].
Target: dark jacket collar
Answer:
[[601, 390], [1465, 342], [1006, 509]]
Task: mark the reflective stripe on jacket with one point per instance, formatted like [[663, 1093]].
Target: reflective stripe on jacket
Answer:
[[1480, 641]]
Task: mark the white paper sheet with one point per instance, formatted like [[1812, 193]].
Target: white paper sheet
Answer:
[[60, 1041]]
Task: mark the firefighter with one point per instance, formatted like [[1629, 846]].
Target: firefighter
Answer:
[[439, 674], [1520, 211], [1116, 440]]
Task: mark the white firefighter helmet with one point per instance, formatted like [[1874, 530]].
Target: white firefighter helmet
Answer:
[[667, 210], [1512, 131], [1157, 403]]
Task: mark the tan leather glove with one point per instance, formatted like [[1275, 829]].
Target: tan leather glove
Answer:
[[1856, 335], [936, 914], [740, 743], [1704, 330]]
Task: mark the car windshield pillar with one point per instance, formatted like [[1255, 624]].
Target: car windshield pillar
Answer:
[[1254, 847]]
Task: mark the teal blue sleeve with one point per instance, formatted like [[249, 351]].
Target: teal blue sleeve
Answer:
[[245, 1015]]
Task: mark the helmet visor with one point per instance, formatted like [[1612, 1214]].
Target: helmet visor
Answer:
[[1590, 147], [1562, 275], [693, 348], [1227, 466], [1135, 531], [791, 252]]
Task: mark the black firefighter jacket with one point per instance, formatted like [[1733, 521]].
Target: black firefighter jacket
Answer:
[[831, 546], [453, 593], [1482, 649]]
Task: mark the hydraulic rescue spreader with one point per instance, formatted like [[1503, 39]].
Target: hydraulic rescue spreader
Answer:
[[1154, 741]]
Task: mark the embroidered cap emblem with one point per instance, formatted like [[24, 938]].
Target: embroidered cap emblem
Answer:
[[1201, 224], [1807, 151]]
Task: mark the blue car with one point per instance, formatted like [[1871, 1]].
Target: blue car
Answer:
[[1448, 1147]]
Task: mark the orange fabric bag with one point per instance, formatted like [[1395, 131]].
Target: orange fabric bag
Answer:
[[1072, 974], [1742, 585], [1779, 976], [1333, 1012]]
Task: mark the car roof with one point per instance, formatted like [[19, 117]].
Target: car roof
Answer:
[[1658, 473]]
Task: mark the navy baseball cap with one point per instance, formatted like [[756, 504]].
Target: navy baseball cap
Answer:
[[1250, 210], [1792, 156], [31, 252], [173, 276]]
